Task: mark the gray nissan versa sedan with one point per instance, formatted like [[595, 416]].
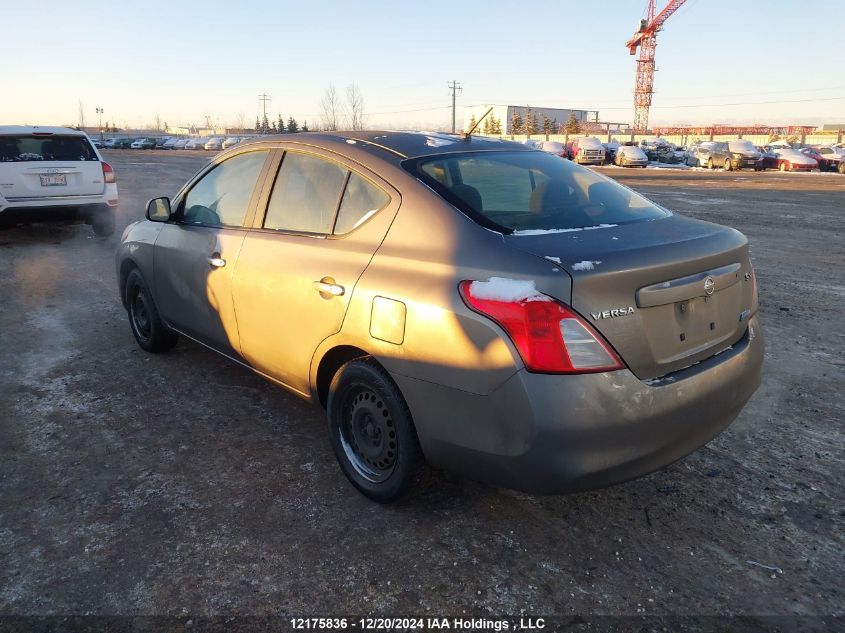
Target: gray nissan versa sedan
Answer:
[[479, 305]]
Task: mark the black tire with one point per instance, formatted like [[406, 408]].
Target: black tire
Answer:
[[102, 222], [372, 432], [841, 168], [728, 165], [147, 327]]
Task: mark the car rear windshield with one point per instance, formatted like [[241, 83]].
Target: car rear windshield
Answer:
[[25, 148], [530, 191]]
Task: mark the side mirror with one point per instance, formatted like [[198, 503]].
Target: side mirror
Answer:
[[158, 210]]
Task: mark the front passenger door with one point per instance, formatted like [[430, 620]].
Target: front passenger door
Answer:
[[195, 255]]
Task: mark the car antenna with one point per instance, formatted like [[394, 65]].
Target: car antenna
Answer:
[[468, 134]]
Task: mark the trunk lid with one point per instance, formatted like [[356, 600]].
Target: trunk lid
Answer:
[[49, 166], [665, 293]]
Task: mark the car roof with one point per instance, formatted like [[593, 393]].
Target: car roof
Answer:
[[38, 129], [396, 145]]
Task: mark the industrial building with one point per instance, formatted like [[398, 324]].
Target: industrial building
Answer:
[[504, 115]]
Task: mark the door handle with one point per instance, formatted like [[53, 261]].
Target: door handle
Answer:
[[216, 262], [326, 288]]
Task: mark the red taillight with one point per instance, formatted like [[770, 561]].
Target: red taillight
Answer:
[[550, 337], [108, 173]]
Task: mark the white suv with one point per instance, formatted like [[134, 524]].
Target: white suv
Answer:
[[44, 170]]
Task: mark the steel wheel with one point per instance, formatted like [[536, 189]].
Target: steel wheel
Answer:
[[147, 327], [367, 434], [139, 315], [372, 431]]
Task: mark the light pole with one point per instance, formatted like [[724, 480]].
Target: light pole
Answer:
[[100, 112]]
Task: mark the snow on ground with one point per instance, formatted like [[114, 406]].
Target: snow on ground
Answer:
[[503, 289]]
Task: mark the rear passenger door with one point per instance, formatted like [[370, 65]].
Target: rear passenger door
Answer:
[[195, 255], [325, 217]]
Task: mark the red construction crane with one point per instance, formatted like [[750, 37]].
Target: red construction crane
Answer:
[[646, 39]]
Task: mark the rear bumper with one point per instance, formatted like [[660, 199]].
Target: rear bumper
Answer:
[[34, 204], [21, 212], [553, 434]]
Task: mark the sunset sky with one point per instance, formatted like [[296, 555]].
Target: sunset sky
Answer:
[[719, 61]]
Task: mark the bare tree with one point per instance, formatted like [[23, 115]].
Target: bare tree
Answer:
[[81, 114], [355, 106], [330, 109], [157, 122], [240, 122]]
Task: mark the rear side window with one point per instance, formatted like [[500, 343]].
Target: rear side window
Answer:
[[305, 195], [361, 201], [514, 191], [221, 197], [55, 147]]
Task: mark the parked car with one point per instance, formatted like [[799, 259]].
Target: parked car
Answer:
[[181, 143], [610, 150], [517, 355], [196, 143], [698, 154], [743, 153], [587, 150], [229, 142], [719, 155], [96, 143], [169, 143], [831, 159], [123, 143], [48, 172], [630, 156], [214, 143], [769, 158], [710, 154], [162, 141], [789, 160], [556, 148], [661, 151], [143, 143], [110, 143]]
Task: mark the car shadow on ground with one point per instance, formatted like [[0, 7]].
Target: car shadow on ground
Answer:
[[41, 232]]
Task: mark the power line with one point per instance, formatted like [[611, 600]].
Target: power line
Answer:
[[738, 103]]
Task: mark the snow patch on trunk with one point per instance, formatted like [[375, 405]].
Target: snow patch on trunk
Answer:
[[585, 265], [548, 231], [508, 290]]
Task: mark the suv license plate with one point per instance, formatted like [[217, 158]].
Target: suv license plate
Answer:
[[53, 180]]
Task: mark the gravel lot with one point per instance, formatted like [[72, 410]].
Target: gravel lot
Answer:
[[184, 484]]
